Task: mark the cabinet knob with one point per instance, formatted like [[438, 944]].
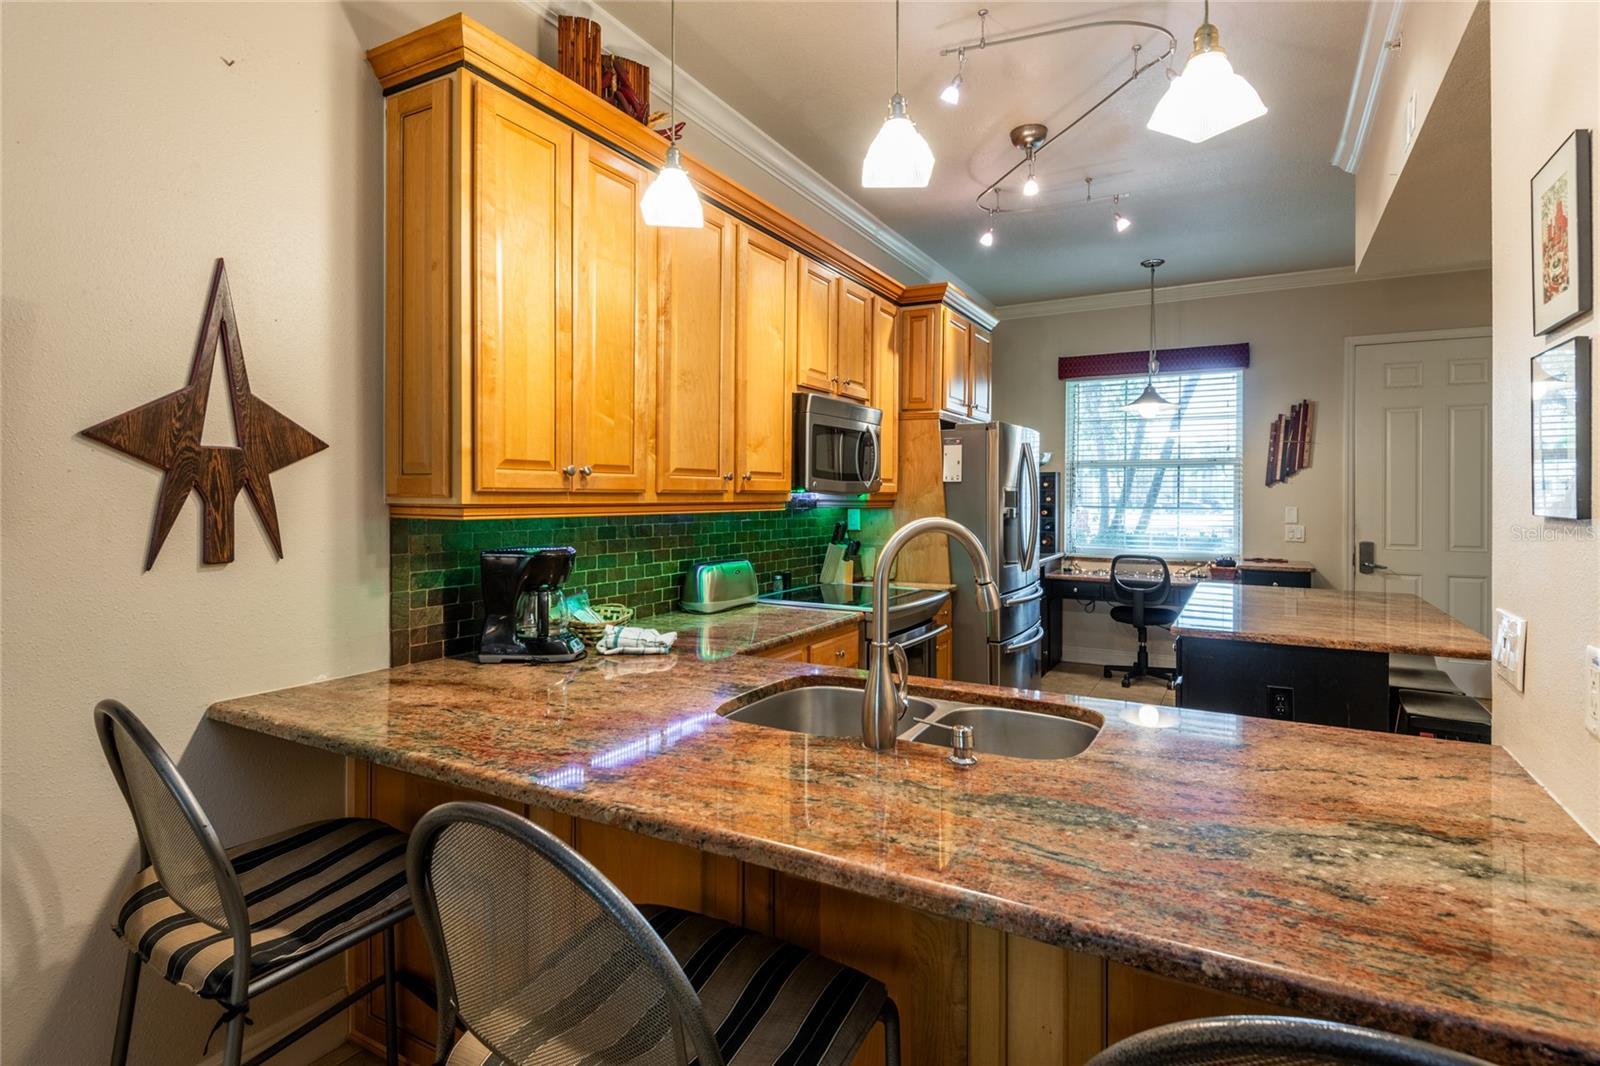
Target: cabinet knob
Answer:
[[728, 476], [749, 476], [834, 380], [568, 470], [586, 470], [838, 653]]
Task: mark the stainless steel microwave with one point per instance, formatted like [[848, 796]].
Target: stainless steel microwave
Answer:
[[835, 446]]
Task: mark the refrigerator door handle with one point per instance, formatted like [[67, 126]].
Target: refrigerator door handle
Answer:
[[1030, 513], [1035, 593], [1026, 641]]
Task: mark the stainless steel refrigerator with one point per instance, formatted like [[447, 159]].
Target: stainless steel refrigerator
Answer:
[[991, 486]]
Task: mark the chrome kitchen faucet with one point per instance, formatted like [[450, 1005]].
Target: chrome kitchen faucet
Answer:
[[885, 699]]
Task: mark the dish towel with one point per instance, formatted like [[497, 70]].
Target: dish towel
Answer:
[[635, 640]]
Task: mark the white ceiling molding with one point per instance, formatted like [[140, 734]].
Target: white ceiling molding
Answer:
[[1208, 290], [715, 117], [1378, 43]]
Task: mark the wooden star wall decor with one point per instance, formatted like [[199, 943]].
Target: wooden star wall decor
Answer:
[[166, 433]]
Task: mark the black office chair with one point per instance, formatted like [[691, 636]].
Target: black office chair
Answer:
[[1264, 1040], [1140, 598]]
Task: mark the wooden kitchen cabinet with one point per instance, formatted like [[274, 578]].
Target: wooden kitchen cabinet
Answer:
[[767, 295], [946, 365], [843, 650], [855, 351], [694, 417], [818, 352], [886, 392], [522, 264]]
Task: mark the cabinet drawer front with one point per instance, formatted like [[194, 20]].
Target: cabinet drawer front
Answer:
[[842, 650], [522, 250]]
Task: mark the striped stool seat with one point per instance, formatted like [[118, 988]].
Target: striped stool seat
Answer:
[[303, 888], [768, 1002]]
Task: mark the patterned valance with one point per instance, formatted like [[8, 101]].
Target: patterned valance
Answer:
[[1173, 361]]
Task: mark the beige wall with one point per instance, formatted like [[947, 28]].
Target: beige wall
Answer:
[[1296, 339], [1430, 33], [1544, 86], [134, 156]]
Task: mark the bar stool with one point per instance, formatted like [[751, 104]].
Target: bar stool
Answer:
[[1266, 1040], [228, 925], [542, 960]]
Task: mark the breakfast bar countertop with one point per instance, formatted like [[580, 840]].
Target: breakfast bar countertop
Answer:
[[1422, 886], [1397, 623]]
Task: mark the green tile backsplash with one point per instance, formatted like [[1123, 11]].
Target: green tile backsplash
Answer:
[[639, 560]]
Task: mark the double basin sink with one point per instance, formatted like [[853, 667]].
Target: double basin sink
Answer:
[[835, 711]]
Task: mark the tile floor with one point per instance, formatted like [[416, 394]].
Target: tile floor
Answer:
[[349, 1055], [1087, 679]]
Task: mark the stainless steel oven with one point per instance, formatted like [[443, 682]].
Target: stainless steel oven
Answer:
[[835, 446], [921, 644]]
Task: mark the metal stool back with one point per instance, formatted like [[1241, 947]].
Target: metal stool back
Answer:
[[538, 955], [177, 838], [1266, 1040]]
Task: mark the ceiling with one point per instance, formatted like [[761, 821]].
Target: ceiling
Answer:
[[1259, 199]]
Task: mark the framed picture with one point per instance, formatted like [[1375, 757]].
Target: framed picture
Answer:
[[1560, 202], [1562, 413]]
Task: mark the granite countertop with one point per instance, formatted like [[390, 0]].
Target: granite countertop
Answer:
[[1422, 886], [754, 628], [1397, 623]]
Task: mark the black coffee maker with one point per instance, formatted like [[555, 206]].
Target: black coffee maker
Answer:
[[510, 576]]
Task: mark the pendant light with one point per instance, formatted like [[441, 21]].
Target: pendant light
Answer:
[[1151, 404], [898, 158], [1208, 98], [671, 200], [952, 92]]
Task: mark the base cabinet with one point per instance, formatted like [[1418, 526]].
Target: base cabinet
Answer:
[[967, 994]]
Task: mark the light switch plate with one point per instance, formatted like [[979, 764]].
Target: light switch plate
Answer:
[[1591, 714], [1291, 514], [1295, 534], [1508, 647]]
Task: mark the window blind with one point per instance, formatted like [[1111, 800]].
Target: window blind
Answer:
[[1168, 486]]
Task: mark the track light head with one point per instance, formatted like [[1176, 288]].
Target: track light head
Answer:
[[1122, 222], [986, 238]]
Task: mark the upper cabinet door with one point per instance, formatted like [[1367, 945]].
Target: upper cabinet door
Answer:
[[886, 390], [921, 391], [614, 324], [522, 263], [768, 293], [957, 350], [854, 360], [981, 374], [418, 401], [817, 365], [694, 379]]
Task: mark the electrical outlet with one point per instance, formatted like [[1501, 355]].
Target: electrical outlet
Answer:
[[1294, 534], [1508, 647], [1591, 716], [1291, 514], [1280, 702]]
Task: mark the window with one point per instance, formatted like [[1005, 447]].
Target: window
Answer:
[[1169, 486]]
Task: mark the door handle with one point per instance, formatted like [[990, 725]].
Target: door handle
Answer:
[[1024, 642], [1030, 515], [1022, 597], [1364, 561]]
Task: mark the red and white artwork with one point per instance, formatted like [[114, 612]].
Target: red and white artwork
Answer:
[[1559, 206]]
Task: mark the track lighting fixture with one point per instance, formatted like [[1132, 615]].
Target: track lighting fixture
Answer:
[[671, 200], [1028, 136], [1208, 98], [986, 238], [1031, 186], [952, 92], [899, 157], [1118, 219]]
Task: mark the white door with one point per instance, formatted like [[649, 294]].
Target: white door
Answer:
[[1421, 471]]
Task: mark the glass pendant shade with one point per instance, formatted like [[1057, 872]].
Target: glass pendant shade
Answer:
[[986, 238], [1151, 404], [671, 200], [1208, 98], [952, 92], [1122, 222], [899, 158]]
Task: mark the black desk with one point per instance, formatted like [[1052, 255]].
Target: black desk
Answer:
[[1088, 589]]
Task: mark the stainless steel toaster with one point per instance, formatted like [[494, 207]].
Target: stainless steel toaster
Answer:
[[712, 587]]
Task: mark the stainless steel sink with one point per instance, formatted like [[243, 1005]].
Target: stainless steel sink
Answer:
[[835, 711], [820, 710], [1010, 731]]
